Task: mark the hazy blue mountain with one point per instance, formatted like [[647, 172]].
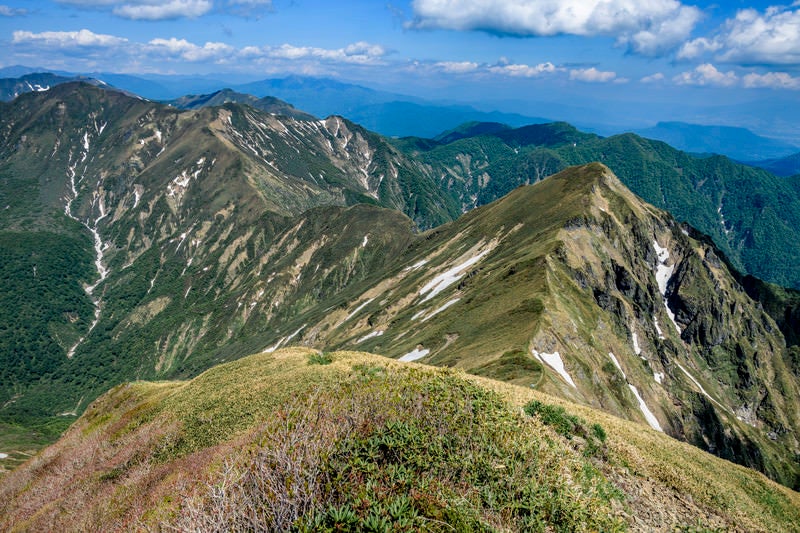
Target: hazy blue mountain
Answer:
[[270, 104], [783, 166], [740, 144], [402, 118], [12, 87]]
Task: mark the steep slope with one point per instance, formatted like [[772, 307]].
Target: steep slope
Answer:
[[543, 286], [752, 215], [156, 213], [205, 235], [300, 440]]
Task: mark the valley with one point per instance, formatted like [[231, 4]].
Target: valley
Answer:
[[614, 275]]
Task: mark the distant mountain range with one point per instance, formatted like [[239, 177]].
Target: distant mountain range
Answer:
[[784, 166], [387, 113], [739, 144]]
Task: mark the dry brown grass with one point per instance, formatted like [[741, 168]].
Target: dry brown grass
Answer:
[[144, 452]]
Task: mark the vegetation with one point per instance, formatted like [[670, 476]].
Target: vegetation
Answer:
[[227, 230], [43, 312], [370, 444], [760, 211]]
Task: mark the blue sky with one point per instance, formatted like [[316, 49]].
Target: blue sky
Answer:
[[498, 50]]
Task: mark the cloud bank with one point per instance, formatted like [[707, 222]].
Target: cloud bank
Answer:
[[753, 38], [647, 28]]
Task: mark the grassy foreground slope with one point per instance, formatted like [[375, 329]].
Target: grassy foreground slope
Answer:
[[301, 440]]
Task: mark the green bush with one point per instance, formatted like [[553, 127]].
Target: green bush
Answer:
[[319, 359], [568, 425]]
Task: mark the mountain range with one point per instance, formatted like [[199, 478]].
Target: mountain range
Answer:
[[739, 144], [143, 241], [783, 166], [389, 113]]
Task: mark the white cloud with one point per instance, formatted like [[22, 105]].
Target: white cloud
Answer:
[[771, 80], [647, 27], [162, 10], [169, 9], [191, 52], [753, 37], [653, 78], [592, 75], [361, 53], [698, 47], [772, 37], [68, 39], [707, 75], [662, 35], [6, 11], [525, 71], [456, 67]]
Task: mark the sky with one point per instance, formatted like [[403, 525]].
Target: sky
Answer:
[[503, 52]]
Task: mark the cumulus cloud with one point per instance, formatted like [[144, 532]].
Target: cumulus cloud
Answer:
[[707, 75], [67, 39], [183, 49], [772, 37], [771, 80], [653, 78], [162, 10], [647, 28], [753, 37], [6, 11], [171, 9], [361, 53], [592, 75], [525, 71], [698, 47], [456, 67]]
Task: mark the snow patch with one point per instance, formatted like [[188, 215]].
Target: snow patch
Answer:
[[648, 414], [442, 308], [357, 309], [616, 364], [417, 353], [697, 384], [416, 265], [366, 240], [636, 348], [659, 377], [658, 329], [3, 455], [370, 336], [663, 275], [725, 229], [449, 277], [553, 360], [284, 340]]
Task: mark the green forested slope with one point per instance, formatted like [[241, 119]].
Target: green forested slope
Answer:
[[752, 215]]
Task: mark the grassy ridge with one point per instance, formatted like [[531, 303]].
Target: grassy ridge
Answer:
[[286, 440]]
